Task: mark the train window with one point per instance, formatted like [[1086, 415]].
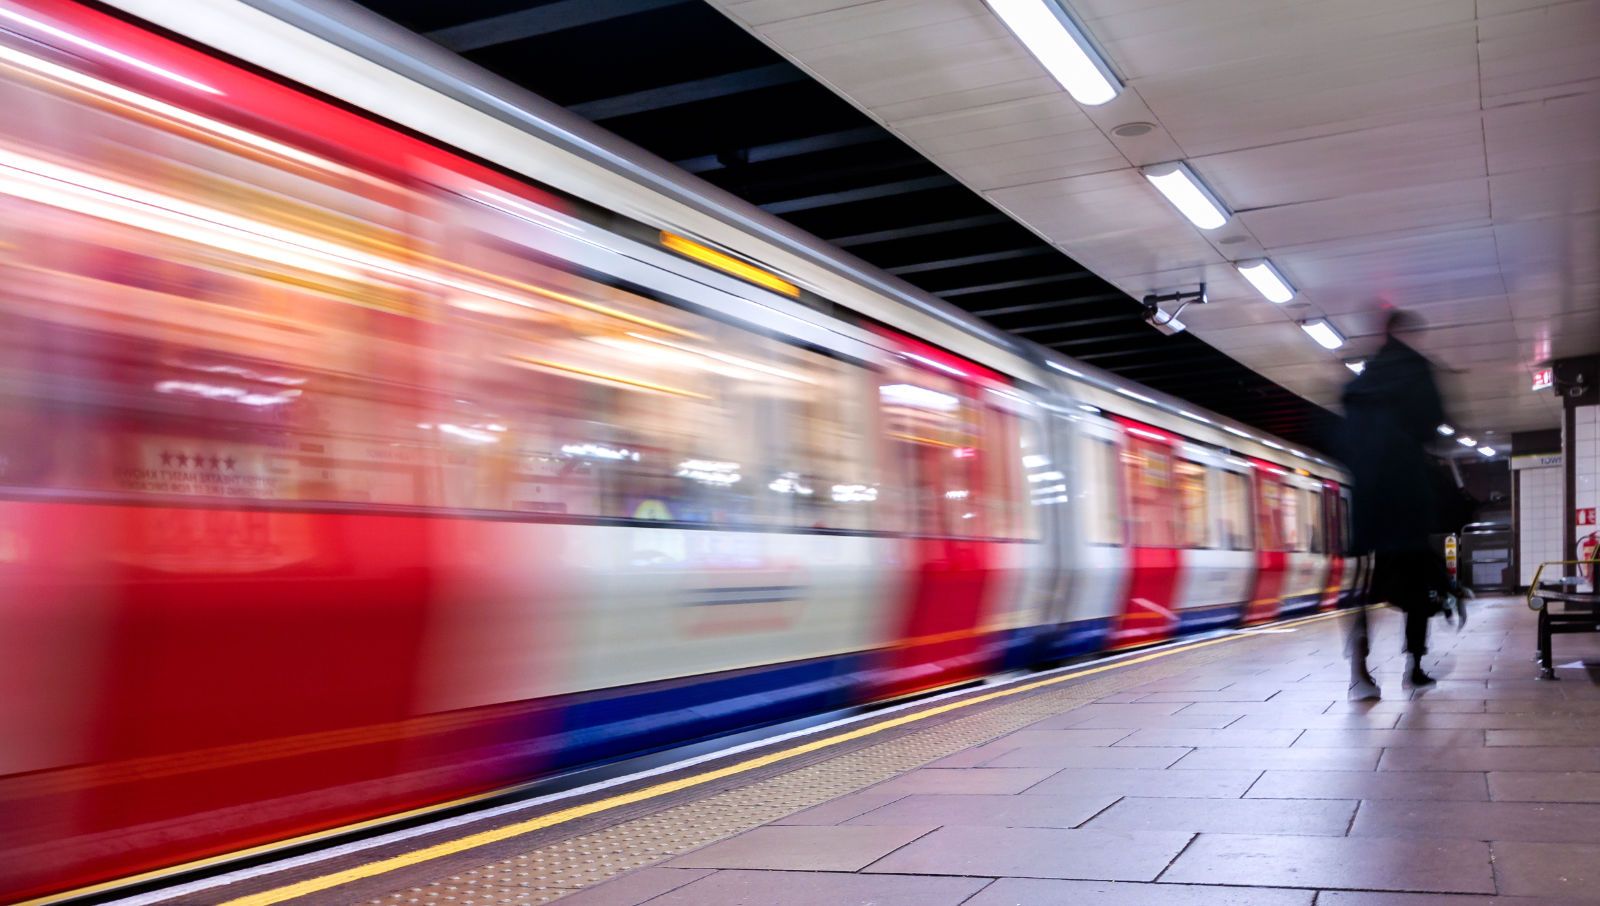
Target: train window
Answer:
[[1234, 522], [1148, 467], [931, 426], [1029, 494], [1269, 524], [1313, 521], [1287, 516], [1004, 445], [1194, 522], [1100, 490]]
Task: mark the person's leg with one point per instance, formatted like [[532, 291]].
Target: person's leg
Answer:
[[1362, 686], [1418, 609]]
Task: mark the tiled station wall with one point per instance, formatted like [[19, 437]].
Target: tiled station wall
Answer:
[[1585, 447], [1540, 510]]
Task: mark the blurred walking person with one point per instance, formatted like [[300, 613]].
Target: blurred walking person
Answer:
[[1392, 410]]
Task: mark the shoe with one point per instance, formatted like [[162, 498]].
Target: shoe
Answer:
[[1416, 678], [1365, 690]]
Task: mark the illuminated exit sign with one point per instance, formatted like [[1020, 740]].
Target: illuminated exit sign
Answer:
[[1543, 379]]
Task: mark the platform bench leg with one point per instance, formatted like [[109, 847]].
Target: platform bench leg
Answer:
[[1547, 669]]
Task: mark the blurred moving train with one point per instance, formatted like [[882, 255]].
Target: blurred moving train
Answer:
[[344, 472]]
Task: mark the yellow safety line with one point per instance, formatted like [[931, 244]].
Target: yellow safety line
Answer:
[[495, 835]]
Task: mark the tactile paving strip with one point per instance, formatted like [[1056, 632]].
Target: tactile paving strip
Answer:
[[555, 870]]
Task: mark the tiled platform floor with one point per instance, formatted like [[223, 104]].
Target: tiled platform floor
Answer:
[[1250, 781]]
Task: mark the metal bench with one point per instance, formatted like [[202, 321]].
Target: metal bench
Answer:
[[1563, 606]]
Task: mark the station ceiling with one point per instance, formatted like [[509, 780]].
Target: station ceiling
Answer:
[[1442, 156], [688, 83]]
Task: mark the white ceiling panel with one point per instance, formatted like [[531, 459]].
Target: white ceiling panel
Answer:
[[1541, 52], [1438, 155], [1030, 140], [1407, 209]]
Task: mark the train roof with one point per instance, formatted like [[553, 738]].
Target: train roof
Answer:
[[349, 53]]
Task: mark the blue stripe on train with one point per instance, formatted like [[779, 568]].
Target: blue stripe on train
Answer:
[[1205, 619], [1300, 604], [600, 726]]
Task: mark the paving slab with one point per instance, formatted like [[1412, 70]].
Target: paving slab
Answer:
[[1532, 822], [800, 848], [1440, 866], [1225, 738], [1544, 786], [956, 781], [1327, 817], [1548, 869], [1033, 810], [1220, 784], [1292, 758], [1443, 785], [1037, 892], [788, 888], [1048, 756], [1497, 758], [1017, 852]]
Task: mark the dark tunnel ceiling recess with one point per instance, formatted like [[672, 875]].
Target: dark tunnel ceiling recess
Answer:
[[680, 80]]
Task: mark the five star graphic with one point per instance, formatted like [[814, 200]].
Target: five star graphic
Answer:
[[200, 460]]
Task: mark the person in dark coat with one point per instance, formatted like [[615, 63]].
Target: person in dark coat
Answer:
[[1392, 410]]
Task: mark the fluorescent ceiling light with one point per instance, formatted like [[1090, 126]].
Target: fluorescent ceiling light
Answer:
[[1324, 333], [1466, 442], [1445, 430], [1358, 366], [1188, 194], [1486, 451], [1266, 279], [1061, 47]]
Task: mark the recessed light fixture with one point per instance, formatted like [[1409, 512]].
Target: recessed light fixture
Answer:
[[1466, 441], [1266, 279], [1445, 430], [1061, 47], [1486, 451], [1324, 333], [1188, 194], [1356, 365]]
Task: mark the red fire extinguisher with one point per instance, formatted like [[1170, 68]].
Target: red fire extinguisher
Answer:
[[1588, 549]]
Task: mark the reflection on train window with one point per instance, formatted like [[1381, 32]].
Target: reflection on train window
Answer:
[[1194, 524], [1311, 520], [1099, 490], [1269, 525], [930, 422], [1148, 467], [1234, 521]]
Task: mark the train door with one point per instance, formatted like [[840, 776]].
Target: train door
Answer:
[[1355, 565], [1306, 570], [1217, 563], [1271, 558], [1096, 552], [1332, 516], [932, 424], [1148, 613]]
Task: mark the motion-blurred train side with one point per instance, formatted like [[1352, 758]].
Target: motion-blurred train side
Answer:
[[343, 474]]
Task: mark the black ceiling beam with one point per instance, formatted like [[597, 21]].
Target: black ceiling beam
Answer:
[[1080, 324], [864, 193], [539, 20], [690, 92], [755, 154], [927, 228], [1097, 339], [986, 258], [1054, 303], [1011, 284]]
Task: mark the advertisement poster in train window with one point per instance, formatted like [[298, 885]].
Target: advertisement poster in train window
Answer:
[[1235, 523], [1148, 467], [1100, 491], [1194, 524]]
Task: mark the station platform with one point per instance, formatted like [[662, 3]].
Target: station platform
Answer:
[[1229, 770]]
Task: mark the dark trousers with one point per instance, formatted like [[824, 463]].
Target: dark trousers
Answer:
[[1403, 580]]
